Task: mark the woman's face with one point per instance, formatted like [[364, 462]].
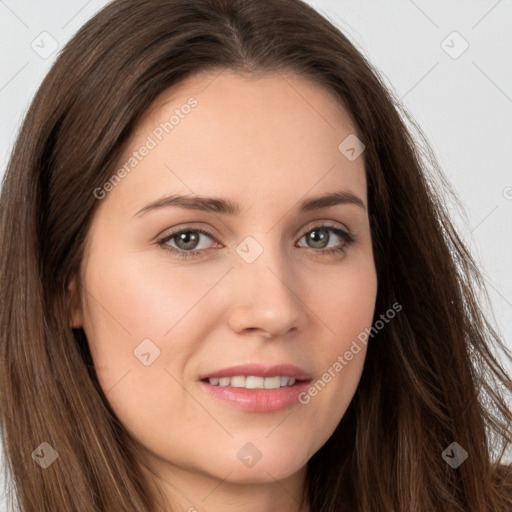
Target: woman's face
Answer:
[[274, 283]]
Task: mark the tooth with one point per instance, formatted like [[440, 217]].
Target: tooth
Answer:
[[253, 382], [224, 381], [272, 382], [238, 381]]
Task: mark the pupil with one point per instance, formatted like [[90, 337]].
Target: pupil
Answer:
[[186, 237], [318, 236]]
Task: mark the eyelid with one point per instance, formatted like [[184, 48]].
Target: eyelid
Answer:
[[187, 227], [162, 239], [323, 223]]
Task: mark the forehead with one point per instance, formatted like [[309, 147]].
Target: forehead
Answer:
[[222, 133], [281, 91]]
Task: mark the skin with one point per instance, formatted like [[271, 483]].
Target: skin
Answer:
[[248, 139]]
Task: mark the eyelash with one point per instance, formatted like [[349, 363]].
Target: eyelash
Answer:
[[180, 253]]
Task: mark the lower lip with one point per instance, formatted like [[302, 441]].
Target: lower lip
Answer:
[[258, 400]]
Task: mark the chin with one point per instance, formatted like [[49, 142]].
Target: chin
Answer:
[[275, 466]]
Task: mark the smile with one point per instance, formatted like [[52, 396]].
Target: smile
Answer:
[[252, 382]]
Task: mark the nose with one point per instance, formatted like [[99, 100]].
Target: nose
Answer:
[[266, 296]]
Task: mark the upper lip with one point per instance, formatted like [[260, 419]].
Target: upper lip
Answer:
[[259, 370]]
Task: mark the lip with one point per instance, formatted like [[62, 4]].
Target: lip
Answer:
[[259, 370], [258, 400]]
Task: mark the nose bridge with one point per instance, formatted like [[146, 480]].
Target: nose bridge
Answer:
[[266, 296]]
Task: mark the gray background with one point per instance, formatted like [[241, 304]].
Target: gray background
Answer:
[[462, 100]]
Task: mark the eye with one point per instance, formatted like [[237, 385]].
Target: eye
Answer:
[[319, 238], [187, 241]]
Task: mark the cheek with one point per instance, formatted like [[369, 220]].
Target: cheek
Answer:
[[128, 311], [136, 313], [345, 302], [345, 307], [135, 300]]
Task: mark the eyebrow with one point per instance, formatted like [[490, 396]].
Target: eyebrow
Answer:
[[228, 207]]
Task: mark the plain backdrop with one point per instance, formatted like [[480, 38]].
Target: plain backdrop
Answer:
[[448, 61]]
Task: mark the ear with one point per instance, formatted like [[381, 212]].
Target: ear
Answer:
[[76, 308]]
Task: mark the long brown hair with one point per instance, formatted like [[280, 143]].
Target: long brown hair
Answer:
[[431, 377]]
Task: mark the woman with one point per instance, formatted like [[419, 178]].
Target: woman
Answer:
[[182, 330]]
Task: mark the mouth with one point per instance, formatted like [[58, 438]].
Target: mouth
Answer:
[[257, 387], [253, 381]]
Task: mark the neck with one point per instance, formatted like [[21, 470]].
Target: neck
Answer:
[[177, 489]]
